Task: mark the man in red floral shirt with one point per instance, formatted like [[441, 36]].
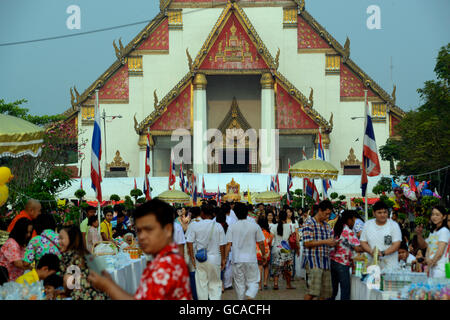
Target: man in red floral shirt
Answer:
[[167, 276]]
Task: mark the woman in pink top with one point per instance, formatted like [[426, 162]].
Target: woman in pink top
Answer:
[[12, 252], [341, 255]]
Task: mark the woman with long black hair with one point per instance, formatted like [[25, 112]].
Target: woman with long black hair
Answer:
[[341, 254], [283, 260]]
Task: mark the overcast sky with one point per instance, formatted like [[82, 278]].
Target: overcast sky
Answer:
[[411, 34]]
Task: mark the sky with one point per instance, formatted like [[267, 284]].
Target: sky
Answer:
[[411, 34]]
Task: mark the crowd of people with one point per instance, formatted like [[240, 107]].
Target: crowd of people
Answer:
[[199, 252]]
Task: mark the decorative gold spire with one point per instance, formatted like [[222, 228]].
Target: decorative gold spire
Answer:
[[393, 94], [346, 50], [189, 59], [277, 59], [156, 99], [120, 52], [311, 100]]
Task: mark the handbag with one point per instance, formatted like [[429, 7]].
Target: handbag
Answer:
[[293, 240], [201, 254]]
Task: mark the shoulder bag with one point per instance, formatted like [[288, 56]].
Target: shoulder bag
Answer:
[[201, 254]]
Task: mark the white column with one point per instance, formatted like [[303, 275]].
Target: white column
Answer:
[[200, 123], [268, 123]]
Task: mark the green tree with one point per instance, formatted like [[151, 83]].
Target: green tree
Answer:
[[136, 193], [424, 134], [114, 197], [14, 109]]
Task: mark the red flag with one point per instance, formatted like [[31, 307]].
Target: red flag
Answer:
[[135, 185], [81, 183], [172, 177]]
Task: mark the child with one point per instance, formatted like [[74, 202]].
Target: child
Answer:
[[418, 264], [47, 265], [53, 286], [92, 236]]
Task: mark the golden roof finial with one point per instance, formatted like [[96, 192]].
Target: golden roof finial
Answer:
[[233, 29]]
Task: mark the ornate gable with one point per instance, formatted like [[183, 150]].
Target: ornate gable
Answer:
[[290, 113], [352, 86], [158, 41], [116, 88], [177, 114], [233, 46], [307, 38]]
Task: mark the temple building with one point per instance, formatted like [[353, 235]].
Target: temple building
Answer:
[[249, 64]]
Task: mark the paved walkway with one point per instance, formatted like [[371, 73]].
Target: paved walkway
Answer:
[[269, 294]]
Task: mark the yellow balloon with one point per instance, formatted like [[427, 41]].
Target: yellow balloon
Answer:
[[5, 175], [4, 193]]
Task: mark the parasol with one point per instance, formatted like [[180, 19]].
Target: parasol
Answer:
[[19, 137], [314, 169], [174, 196], [267, 197]]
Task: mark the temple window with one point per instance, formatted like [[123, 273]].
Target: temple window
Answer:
[[333, 63], [87, 114], [378, 110], [135, 66], [290, 17], [175, 19]]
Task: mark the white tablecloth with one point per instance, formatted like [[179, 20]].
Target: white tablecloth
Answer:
[[360, 291], [129, 276]]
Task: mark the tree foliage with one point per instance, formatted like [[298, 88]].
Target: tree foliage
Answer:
[[424, 134], [14, 109]]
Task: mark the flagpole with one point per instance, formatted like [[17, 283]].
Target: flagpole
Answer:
[[366, 212], [99, 171]]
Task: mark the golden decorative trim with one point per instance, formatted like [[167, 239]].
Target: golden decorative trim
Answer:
[[372, 99], [325, 139], [242, 3], [234, 72], [118, 162], [113, 101], [317, 50], [200, 82], [164, 132], [379, 120], [313, 175], [298, 131], [234, 119], [145, 52], [351, 160], [143, 140]]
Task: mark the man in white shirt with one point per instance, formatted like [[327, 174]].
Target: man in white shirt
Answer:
[[231, 215], [178, 237], [384, 234], [210, 235], [242, 237]]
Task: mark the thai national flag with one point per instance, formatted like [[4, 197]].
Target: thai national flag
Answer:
[[172, 177], [325, 183], [315, 195], [304, 154], [320, 151], [203, 187], [181, 177], [309, 187], [147, 156], [272, 184], [147, 192], [218, 196], [187, 186], [194, 189], [277, 184], [289, 185], [371, 164], [96, 155]]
